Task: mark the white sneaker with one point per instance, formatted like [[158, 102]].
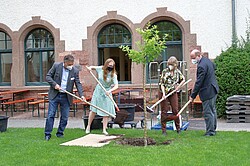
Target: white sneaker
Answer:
[[87, 131], [105, 132]]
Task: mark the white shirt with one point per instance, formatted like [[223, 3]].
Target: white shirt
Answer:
[[65, 75]]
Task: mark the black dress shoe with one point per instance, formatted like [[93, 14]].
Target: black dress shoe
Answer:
[[178, 131], [47, 137], [207, 135], [60, 136]]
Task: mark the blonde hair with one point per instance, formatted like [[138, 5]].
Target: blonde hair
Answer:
[[172, 61]]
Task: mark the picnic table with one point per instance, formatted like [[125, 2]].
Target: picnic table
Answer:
[[14, 93], [74, 102], [6, 104]]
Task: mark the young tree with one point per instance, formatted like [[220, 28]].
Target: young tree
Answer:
[[149, 49]]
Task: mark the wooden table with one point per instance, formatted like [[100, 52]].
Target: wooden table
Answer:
[[14, 92], [14, 101], [46, 94], [119, 92], [45, 98]]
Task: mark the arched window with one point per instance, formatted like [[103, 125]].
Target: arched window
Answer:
[[170, 28], [114, 35], [174, 48], [5, 58], [109, 39], [39, 56]]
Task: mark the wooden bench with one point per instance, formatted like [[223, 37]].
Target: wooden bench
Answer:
[[36, 103], [2, 100], [39, 101], [5, 99], [11, 104], [75, 104]]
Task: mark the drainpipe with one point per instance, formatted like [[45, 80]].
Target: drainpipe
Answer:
[[234, 35]]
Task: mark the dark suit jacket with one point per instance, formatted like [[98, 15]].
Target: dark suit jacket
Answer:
[[54, 76], [206, 84]]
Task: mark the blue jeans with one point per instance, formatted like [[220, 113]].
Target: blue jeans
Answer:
[[62, 100]]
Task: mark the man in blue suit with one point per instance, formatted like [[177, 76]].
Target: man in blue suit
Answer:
[[207, 87], [62, 76]]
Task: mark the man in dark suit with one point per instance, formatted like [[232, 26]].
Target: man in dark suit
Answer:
[[207, 87], [62, 76]]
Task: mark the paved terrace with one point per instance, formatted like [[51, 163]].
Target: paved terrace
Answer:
[[77, 122]]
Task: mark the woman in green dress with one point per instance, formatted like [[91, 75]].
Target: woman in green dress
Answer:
[[108, 78]]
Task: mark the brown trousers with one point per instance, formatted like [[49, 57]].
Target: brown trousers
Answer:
[[165, 107]]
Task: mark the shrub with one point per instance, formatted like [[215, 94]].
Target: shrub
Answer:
[[233, 74]]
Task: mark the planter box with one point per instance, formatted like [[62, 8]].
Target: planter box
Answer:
[[96, 124], [3, 123]]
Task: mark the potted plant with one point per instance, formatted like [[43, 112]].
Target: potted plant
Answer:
[[3, 123]]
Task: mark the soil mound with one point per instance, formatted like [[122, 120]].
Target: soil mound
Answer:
[[135, 141]]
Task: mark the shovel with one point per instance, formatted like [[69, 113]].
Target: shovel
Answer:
[[182, 109], [117, 108], [113, 116], [159, 101]]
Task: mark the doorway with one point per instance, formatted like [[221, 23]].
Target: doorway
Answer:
[[110, 38], [122, 63]]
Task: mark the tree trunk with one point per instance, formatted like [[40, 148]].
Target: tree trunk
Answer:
[[145, 109]]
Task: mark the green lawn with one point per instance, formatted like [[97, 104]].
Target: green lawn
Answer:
[[27, 147]]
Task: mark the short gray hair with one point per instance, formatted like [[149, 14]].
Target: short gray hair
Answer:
[[68, 58], [196, 52]]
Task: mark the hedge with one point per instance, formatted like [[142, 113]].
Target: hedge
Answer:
[[233, 74]]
